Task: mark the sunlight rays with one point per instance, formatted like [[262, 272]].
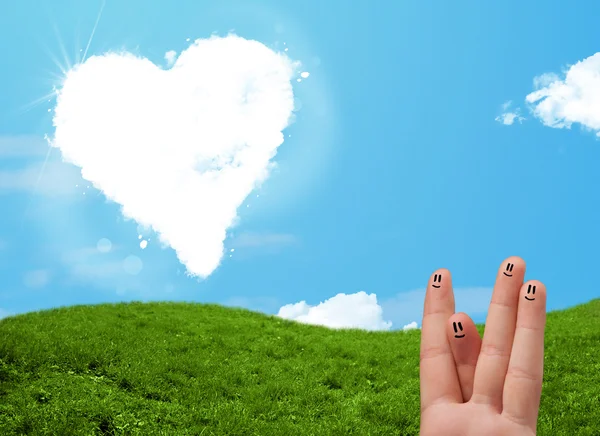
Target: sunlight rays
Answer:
[[93, 30], [58, 79]]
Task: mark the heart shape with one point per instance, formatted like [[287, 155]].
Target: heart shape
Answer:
[[178, 149]]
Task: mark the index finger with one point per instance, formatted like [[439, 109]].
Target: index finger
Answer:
[[439, 381]]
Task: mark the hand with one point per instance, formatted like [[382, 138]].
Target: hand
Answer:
[[491, 388]]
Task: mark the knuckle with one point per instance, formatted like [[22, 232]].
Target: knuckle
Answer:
[[520, 373], [494, 350], [433, 351]]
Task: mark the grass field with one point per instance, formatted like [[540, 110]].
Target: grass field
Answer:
[[196, 369]]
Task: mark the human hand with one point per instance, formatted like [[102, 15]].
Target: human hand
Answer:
[[491, 388]]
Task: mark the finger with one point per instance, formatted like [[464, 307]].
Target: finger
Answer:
[[523, 386], [465, 343], [498, 336], [439, 381]]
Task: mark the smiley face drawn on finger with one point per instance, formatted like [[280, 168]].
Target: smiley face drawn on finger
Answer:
[[509, 268], [530, 292], [437, 278], [460, 327]]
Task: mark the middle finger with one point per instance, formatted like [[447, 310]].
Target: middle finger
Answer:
[[499, 334]]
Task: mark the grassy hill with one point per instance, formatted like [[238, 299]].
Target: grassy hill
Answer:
[[196, 369]]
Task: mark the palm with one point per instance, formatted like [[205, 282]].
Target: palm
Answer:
[[490, 387], [469, 419]]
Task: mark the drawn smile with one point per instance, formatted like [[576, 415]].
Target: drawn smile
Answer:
[[530, 290]]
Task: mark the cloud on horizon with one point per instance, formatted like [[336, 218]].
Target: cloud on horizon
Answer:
[[411, 326], [361, 310]]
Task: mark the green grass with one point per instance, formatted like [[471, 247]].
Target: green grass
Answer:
[[195, 369]]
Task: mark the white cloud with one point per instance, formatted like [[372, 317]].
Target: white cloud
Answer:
[[359, 310], [509, 117], [410, 326], [170, 57], [179, 149], [36, 279], [575, 99]]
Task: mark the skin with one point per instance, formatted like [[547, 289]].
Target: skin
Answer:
[[473, 387]]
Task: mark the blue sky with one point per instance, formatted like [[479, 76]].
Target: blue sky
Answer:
[[402, 157]]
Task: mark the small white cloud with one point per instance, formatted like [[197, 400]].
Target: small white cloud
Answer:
[[559, 103], [410, 326], [509, 117], [210, 127], [143, 244], [170, 57], [36, 279], [359, 310]]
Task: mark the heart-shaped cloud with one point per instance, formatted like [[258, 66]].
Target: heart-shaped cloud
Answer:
[[178, 149]]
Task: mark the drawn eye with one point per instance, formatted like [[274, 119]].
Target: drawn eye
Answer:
[[530, 292], [460, 327]]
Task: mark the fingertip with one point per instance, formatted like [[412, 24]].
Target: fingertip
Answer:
[[534, 290], [512, 266], [440, 277]]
